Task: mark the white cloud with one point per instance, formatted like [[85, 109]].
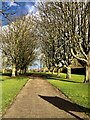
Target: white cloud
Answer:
[[37, 13], [12, 4], [30, 8]]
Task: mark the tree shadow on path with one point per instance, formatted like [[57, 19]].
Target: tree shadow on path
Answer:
[[65, 105]]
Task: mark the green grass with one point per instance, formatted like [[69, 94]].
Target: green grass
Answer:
[[10, 88], [74, 89]]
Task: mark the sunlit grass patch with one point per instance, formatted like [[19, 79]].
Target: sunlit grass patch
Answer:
[[10, 88], [73, 88]]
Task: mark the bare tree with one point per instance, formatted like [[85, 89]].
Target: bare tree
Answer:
[[53, 35], [18, 43], [64, 28]]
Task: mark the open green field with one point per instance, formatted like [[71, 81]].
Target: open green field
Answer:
[[10, 88], [73, 88]]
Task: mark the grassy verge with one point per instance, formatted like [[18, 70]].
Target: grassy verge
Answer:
[[10, 88], [74, 89]]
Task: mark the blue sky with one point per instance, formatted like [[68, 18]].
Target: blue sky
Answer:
[[17, 9]]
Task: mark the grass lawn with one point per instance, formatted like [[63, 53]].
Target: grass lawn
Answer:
[[10, 88], [74, 89]]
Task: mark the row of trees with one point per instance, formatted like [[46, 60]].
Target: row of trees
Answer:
[[64, 34], [19, 44], [62, 30]]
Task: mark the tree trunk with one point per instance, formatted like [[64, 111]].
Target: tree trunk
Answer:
[[49, 71], [58, 72], [44, 70], [25, 70], [68, 76], [3, 71], [53, 71], [87, 75], [21, 71], [13, 70], [18, 72]]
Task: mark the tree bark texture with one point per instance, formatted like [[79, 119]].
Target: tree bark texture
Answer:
[[13, 70], [87, 75], [58, 72], [68, 76]]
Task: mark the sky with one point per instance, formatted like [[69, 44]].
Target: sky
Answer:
[[16, 9]]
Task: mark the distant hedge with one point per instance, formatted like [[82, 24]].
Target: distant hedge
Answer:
[[79, 71]]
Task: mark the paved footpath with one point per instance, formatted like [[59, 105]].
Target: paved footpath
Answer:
[[39, 99]]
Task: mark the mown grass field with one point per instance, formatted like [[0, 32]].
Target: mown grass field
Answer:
[[10, 88], [73, 88]]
